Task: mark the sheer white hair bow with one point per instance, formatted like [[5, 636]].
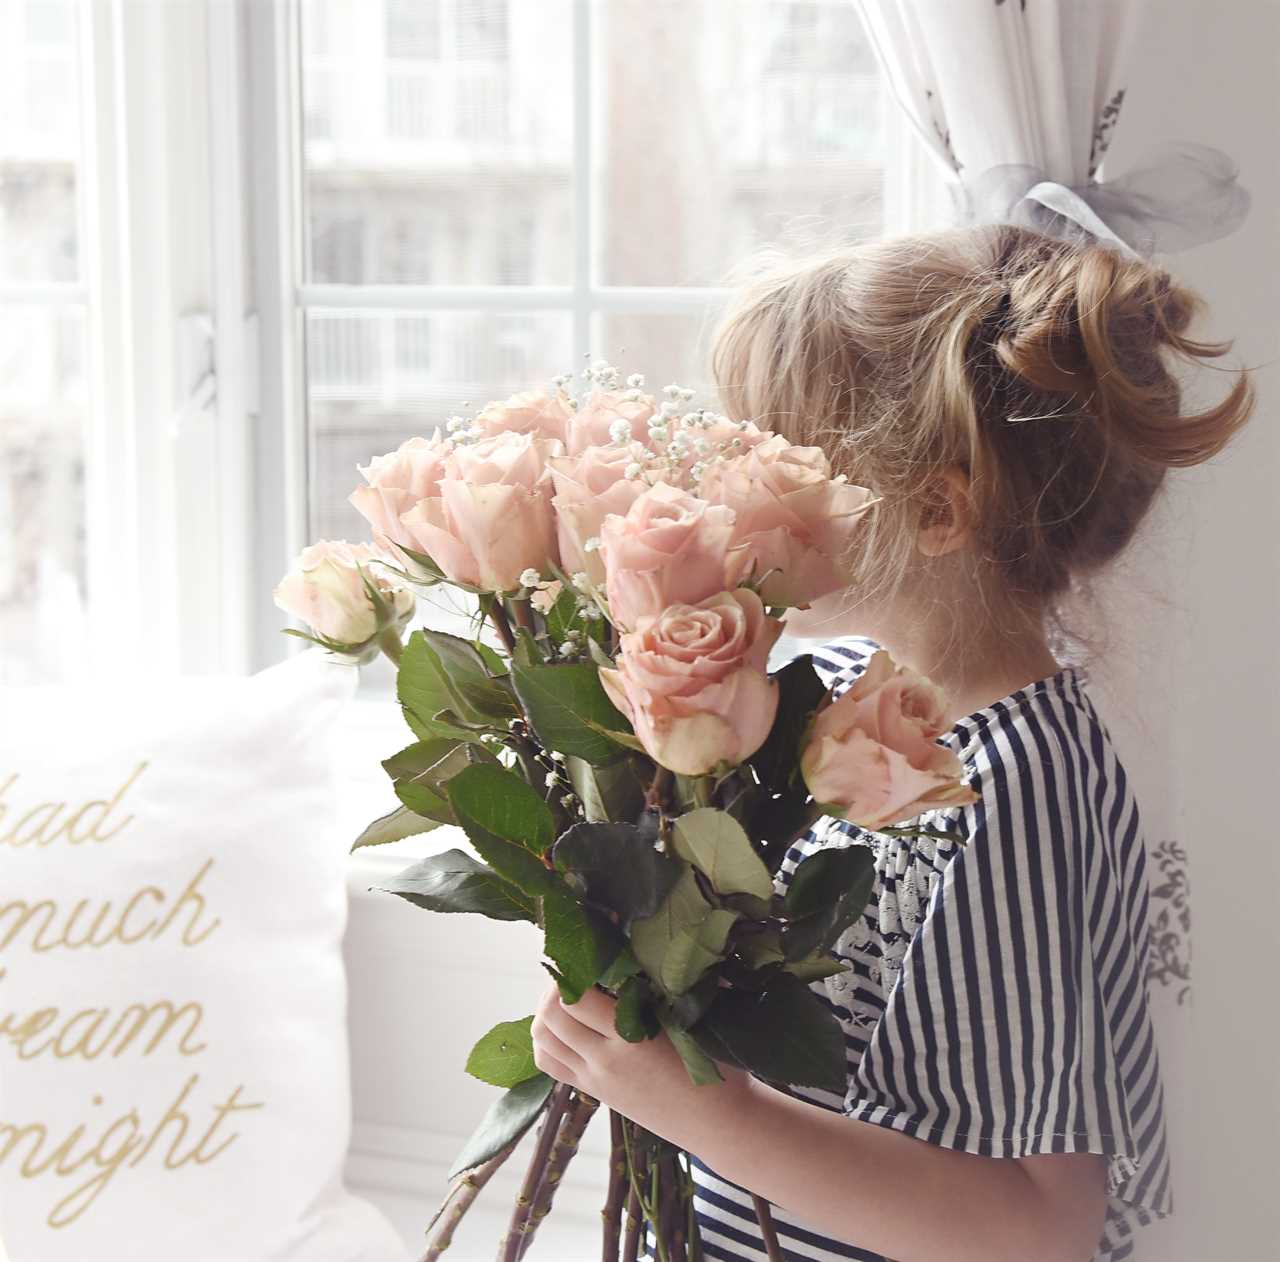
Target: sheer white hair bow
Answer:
[[1183, 195]]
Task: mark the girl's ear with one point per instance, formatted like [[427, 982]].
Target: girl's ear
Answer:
[[946, 525]]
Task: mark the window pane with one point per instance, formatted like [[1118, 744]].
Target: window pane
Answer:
[[437, 142], [39, 140], [42, 558], [777, 128], [665, 348], [377, 378]]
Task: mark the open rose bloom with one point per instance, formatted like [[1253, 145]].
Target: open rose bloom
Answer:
[[873, 756], [626, 768]]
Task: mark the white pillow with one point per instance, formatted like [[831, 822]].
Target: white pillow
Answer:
[[172, 998]]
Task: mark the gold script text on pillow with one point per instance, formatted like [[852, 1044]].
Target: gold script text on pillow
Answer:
[[47, 822]]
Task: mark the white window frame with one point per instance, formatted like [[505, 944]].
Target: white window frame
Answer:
[[191, 239], [282, 296]]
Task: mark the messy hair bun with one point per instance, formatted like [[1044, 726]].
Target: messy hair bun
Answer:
[[1046, 370]]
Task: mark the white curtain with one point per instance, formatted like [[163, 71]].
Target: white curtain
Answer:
[[1019, 99]]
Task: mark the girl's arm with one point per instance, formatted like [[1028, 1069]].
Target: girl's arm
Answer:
[[866, 1184]]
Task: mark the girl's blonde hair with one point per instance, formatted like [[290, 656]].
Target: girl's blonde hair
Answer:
[[1040, 368]]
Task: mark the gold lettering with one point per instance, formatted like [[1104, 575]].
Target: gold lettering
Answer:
[[104, 807], [122, 933], [232, 1105], [22, 912], [192, 894]]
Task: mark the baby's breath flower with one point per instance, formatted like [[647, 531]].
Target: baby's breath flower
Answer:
[[620, 431], [567, 800], [579, 579], [636, 380], [634, 470], [530, 578], [551, 779], [698, 470], [672, 391], [567, 649], [659, 433], [669, 408], [455, 423], [556, 756], [592, 544]]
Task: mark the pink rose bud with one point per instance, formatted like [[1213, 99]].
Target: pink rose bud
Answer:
[[589, 487], [529, 412], [396, 482], [694, 684], [795, 523], [492, 518], [873, 756], [592, 425], [669, 548], [326, 590]]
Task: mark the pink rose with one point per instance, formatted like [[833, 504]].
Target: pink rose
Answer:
[[693, 682], [873, 757], [396, 482], [592, 425], [589, 487], [789, 516], [326, 590], [670, 548], [529, 412], [493, 518]]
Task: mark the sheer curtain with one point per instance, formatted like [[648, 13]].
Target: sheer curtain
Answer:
[[1019, 100]]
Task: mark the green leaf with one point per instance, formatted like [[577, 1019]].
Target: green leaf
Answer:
[[624, 965], [569, 711], [717, 846], [634, 1017], [701, 1068], [816, 967], [503, 804], [421, 770], [784, 1034], [683, 938], [397, 824], [609, 793], [619, 867], [493, 661], [828, 892], [441, 674], [455, 882], [504, 1056], [507, 1119], [581, 941], [511, 859]]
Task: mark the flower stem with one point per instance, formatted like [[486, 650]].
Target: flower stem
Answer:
[[612, 1212], [578, 1112], [461, 1197], [767, 1232], [501, 624], [389, 642], [519, 1225], [524, 615]]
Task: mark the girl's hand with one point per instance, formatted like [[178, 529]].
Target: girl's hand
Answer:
[[647, 1082]]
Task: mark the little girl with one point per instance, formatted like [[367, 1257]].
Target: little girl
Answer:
[[1010, 398]]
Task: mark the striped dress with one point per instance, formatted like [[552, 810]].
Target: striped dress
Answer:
[[997, 1000]]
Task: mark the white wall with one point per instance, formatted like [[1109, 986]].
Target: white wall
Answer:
[[1207, 71]]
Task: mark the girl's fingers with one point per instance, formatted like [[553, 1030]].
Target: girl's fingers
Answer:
[[595, 1009], [563, 1022], [553, 1056], [554, 1069]]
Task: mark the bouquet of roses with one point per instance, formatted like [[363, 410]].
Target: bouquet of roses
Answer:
[[626, 768]]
